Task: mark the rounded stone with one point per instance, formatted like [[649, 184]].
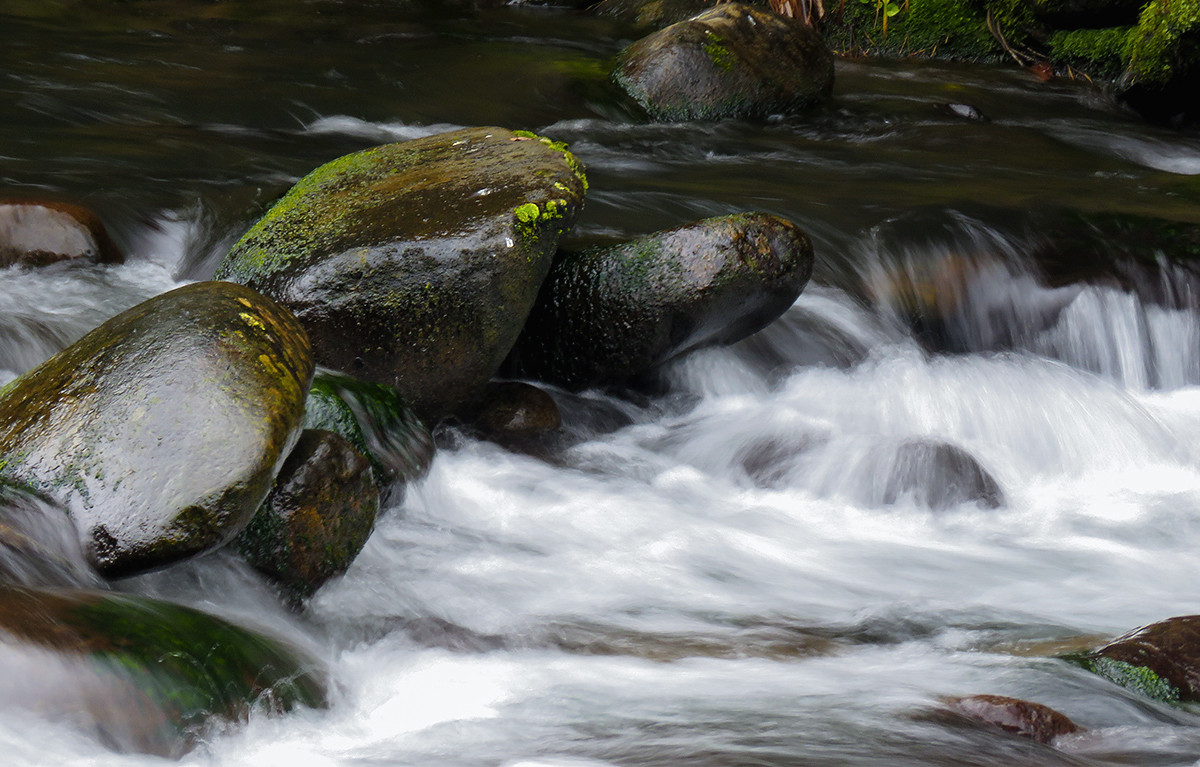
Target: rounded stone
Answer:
[[1018, 717], [161, 431], [415, 264], [139, 674], [41, 232], [730, 61], [609, 315], [937, 476], [317, 517], [515, 410], [1161, 661]]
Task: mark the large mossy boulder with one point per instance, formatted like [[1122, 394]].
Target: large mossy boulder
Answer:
[[415, 264], [162, 430], [139, 674], [1161, 661], [728, 62], [317, 517], [610, 315]]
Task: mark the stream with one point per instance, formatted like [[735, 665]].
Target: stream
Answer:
[[714, 574]]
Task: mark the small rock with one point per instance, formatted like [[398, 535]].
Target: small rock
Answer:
[[730, 61], [37, 233], [609, 315], [1019, 717], [512, 410], [317, 518], [161, 431]]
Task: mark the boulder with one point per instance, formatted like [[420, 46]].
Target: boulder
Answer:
[[731, 61], [317, 518], [139, 674], [610, 315], [415, 264], [1018, 717], [41, 232], [162, 430], [375, 419], [1161, 661]]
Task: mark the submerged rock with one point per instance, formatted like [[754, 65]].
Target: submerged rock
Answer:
[[1161, 661], [375, 419], [938, 476], [139, 674], [318, 516], [1019, 717], [654, 14], [40, 232], [161, 431], [415, 264], [730, 61], [609, 315]]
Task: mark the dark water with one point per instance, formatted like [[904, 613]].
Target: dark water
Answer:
[[714, 577]]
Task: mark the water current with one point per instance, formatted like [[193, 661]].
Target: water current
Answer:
[[717, 573]]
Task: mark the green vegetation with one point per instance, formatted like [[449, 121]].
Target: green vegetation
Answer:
[[1108, 39]]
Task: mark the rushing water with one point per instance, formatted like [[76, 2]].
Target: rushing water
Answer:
[[715, 575]]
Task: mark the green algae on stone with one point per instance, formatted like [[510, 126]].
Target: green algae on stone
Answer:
[[1160, 661], [610, 315], [730, 61], [317, 517], [141, 674], [415, 264], [161, 431]]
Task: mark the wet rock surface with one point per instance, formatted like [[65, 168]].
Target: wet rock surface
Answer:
[[728, 62], [161, 431], [41, 232], [1161, 661], [513, 410], [415, 264], [139, 674], [317, 517], [1018, 717], [609, 315]]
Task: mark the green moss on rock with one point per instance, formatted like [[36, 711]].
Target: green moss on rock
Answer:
[[610, 315], [161, 431], [415, 264], [144, 675]]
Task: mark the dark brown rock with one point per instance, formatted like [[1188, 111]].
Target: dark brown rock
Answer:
[[318, 516], [1161, 661], [41, 232], [515, 410], [1019, 717]]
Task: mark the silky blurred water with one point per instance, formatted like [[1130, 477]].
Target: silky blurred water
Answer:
[[718, 573]]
